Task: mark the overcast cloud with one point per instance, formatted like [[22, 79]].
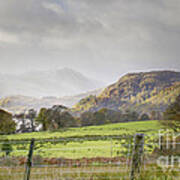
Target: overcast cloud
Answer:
[[100, 38]]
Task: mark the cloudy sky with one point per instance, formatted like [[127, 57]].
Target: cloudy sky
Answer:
[[100, 38]]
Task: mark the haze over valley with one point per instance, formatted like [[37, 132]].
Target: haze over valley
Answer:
[[57, 83]]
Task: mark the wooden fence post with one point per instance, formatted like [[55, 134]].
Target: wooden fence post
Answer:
[[29, 161], [137, 155]]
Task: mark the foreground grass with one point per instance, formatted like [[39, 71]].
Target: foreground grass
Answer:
[[86, 142], [88, 173]]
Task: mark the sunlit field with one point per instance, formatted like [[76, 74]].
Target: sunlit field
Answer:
[[94, 152], [130, 128]]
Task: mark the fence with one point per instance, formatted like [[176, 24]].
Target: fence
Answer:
[[108, 157]]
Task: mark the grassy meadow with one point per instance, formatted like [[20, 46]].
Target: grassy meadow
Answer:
[[130, 128], [94, 141], [105, 141]]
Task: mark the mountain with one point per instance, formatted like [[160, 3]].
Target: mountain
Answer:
[[61, 82], [20, 103], [142, 92]]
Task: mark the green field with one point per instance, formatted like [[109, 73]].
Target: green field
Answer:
[[95, 141], [130, 128], [74, 144]]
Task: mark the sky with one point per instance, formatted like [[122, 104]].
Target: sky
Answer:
[[102, 39]]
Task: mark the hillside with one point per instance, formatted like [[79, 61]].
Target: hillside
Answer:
[[20, 103], [60, 82], [143, 92]]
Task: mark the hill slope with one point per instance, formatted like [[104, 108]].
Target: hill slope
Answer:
[[20, 103], [138, 91]]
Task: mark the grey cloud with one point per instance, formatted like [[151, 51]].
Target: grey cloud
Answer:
[[80, 17], [94, 36]]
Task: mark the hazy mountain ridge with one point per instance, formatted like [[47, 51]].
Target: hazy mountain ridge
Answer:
[[137, 91], [20, 103], [61, 82], [143, 92]]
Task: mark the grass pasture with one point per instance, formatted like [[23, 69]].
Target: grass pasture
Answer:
[[130, 128], [95, 141], [75, 144]]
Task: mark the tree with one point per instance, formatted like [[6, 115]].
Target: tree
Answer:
[[55, 117], [144, 117], [172, 116], [112, 116], [116, 117], [7, 125], [31, 115], [96, 118], [156, 115], [87, 119], [131, 115], [99, 118], [42, 118], [59, 117], [66, 120]]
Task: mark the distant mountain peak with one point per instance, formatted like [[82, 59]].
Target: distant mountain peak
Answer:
[[58, 82], [67, 69]]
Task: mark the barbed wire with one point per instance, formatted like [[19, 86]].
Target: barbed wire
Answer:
[[120, 166]]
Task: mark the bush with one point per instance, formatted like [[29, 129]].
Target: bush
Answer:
[[7, 148], [7, 125], [172, 116]]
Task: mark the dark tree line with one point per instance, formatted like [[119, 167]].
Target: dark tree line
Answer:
[[55, 118], [105, 116], [172, 116], [60, 117]]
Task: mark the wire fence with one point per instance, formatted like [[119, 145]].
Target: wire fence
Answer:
[[89, 158]]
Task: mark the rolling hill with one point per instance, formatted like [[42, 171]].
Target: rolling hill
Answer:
[[20, 103], [143, 92]]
